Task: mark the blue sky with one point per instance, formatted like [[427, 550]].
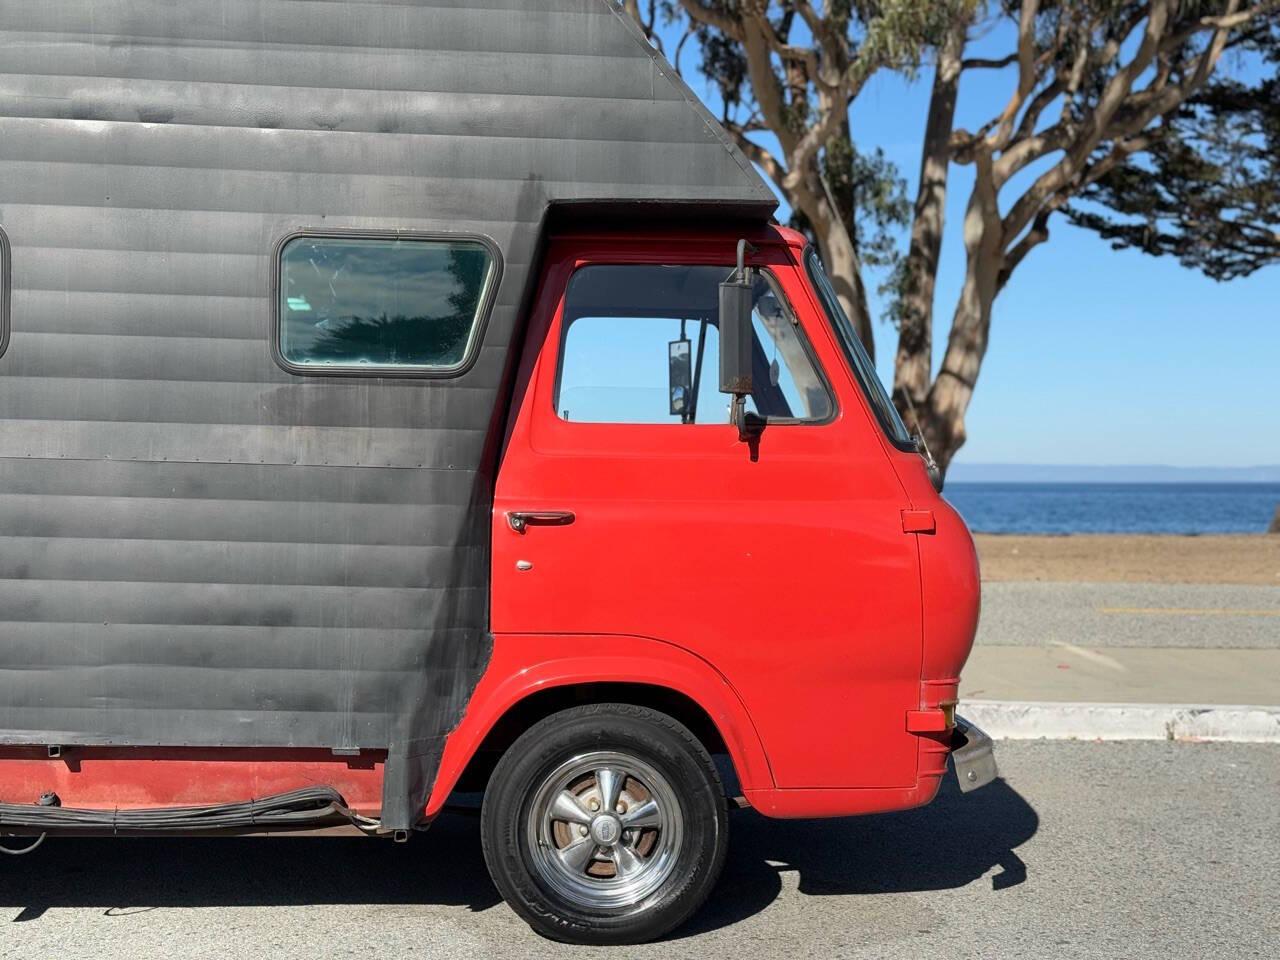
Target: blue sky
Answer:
[[1096, 356]]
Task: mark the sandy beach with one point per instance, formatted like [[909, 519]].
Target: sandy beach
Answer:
[[1124, 558]]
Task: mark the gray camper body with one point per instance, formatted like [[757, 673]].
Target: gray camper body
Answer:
[[198, 546]]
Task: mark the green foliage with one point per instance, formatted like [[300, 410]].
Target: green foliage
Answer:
[[1204, 185], [468, 267], [898, 34], [893, 34], [410, 341], [725, 66], [1208, 191], [872, 199]]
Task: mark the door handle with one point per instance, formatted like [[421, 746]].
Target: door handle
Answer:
[[519, 520]]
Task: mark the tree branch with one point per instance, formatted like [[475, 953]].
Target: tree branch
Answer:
[[1037, 235], [1039, 231], [710, 17], [983, 63], [764, 82], [774, 169], [1027, 74], [1094, 127]]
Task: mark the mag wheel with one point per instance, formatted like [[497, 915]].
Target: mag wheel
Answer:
[[605, 824]]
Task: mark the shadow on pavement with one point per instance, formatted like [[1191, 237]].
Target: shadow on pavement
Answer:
[[945, 845], [442, 866]]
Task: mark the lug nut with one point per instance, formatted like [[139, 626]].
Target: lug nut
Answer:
[[582, 830], [622, 808], [595, 804]]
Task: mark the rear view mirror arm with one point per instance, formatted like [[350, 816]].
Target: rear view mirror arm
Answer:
[[697, 370], [744, 247]]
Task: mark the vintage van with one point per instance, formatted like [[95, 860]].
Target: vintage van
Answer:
[[400, 399]]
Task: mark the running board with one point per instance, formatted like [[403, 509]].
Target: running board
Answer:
[[298, 809]]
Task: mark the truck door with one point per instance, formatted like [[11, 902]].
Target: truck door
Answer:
[[626, 506]]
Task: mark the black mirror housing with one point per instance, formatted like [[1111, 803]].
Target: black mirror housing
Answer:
[[736, 335]]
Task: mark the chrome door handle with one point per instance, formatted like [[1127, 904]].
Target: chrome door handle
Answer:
[[519, 520]]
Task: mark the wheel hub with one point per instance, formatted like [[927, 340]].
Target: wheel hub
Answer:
[[604, 830]]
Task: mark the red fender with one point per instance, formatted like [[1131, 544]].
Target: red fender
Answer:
[[526, 664]]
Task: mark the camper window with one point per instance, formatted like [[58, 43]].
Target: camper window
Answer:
[[357, 304]]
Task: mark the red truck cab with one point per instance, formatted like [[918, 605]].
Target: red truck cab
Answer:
[[804, 599], [789, 578]]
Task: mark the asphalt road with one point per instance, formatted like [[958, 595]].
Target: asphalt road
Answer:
[[1207, 616], [1126, 850]]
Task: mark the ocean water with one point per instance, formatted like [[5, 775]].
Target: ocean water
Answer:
[[1115, 507]]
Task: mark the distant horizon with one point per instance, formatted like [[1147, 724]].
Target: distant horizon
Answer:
[[1109, 473]]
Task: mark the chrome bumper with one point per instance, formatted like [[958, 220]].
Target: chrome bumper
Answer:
[[973, 755]]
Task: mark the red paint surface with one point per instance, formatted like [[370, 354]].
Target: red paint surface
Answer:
[[131, 778], [816, 602], [523, 665], [792, 575]]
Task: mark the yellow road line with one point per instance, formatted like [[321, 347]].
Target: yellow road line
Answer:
[[1191, 612]]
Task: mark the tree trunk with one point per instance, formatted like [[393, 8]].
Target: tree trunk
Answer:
[[949, 397], [808, 195], [845, 270], [839, 197], [913, 363]]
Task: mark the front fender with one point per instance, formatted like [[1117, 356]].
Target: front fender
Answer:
[[523, 665]]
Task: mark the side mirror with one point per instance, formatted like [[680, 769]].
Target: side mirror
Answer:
[[736, 334], [736, 337], [737, 340]]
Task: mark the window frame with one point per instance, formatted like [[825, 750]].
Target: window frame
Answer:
[[373, 371], [778, 291], [908, 445], [6, 289]]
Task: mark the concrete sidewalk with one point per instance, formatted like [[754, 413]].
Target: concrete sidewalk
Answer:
[[1064, 672], [1126, 660]]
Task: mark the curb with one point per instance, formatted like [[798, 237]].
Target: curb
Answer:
[[1030, 720]]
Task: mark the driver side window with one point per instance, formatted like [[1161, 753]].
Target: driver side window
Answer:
[[641, 345]]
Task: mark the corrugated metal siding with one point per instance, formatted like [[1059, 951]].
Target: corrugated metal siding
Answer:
[[197, 547]]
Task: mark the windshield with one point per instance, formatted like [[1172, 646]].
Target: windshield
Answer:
[[863, 369]]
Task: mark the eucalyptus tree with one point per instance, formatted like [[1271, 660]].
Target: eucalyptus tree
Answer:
[[1093, 88], [791, 70]]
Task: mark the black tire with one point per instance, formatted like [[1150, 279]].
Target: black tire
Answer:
[[688, 867]]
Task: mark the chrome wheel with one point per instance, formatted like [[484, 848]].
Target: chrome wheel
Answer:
[[604, 830]]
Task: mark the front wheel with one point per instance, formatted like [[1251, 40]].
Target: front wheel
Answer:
[[605, 824]]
